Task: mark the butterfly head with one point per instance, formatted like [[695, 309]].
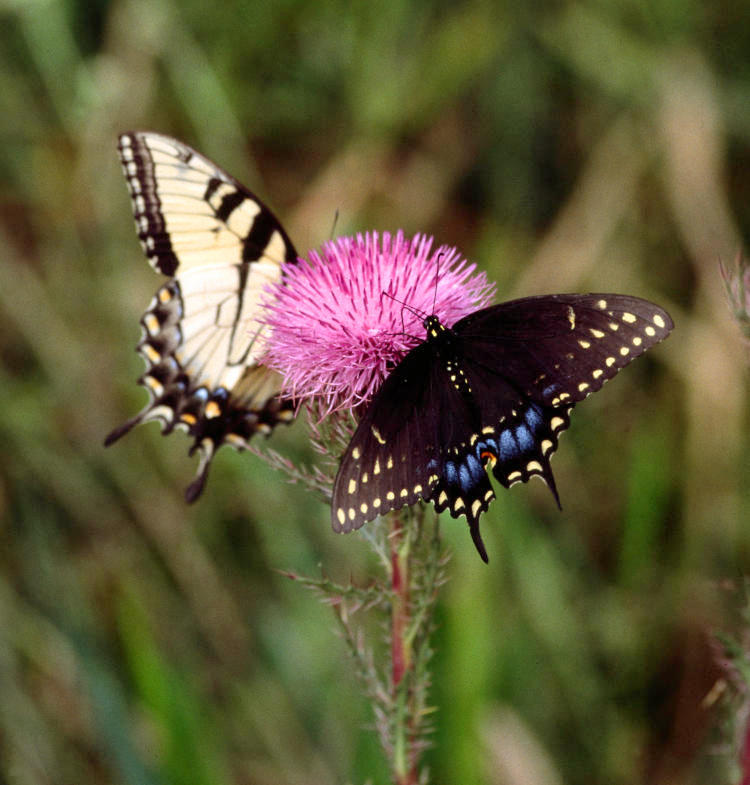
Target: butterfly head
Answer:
[[432, 325]]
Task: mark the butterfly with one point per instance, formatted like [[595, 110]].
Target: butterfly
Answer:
[[201, 334], [492, 392]]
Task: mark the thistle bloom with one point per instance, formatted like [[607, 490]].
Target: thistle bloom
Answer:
[[345, 317]]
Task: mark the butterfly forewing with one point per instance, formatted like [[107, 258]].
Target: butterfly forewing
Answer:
[[202, 334], [557, 349], [189, 212]]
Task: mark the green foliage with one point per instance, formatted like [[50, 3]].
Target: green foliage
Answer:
[[587, 146]]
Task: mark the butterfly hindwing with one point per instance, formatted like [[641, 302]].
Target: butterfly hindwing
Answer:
[[201, 334], [494, 392]]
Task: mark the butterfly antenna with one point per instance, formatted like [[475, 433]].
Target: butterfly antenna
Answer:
[[333, 225], [437, 279], [404, 306]]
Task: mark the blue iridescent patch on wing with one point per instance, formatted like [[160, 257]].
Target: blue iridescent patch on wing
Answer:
[[524, 438], [533, 417], [450, 473], [474, 466], [508, 446], [550, 390]]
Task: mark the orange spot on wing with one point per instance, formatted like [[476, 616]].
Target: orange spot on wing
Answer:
[[487, 457]]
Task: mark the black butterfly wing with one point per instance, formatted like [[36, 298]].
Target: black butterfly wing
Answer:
[[530, 361], [202, 334], [385, 464], [495, 391], [558, 349], [402, 445]]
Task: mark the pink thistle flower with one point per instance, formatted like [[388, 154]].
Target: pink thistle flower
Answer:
[[339, 321]]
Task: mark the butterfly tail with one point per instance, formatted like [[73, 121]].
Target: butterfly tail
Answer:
[[126, 427], [549, 480], [160, 409], [477, 539], [206, 448]]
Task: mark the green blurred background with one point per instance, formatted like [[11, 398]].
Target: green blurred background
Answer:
[[566, 146]]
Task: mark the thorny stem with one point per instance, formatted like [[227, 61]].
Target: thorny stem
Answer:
[[400, 605], [395, 676], [404, 758], [395, 673]]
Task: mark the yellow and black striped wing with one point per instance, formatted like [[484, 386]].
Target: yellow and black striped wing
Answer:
[[202, 334]]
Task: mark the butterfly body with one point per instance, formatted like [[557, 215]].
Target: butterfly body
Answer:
[[491, 393], [202, 334]]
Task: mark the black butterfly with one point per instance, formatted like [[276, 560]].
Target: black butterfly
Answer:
[[201, 334], [494, 391]]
